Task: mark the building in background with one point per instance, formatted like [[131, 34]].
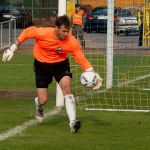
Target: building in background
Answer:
[[146, 23], [70, 7], [118, 3]]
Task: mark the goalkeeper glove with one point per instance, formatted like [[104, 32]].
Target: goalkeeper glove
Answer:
[[8, 53], [99, 79], [99, 82]]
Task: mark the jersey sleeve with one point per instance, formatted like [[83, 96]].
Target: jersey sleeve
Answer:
[[79, 56], [28, 33]]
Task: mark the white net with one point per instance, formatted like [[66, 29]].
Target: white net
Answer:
[[131, 61]]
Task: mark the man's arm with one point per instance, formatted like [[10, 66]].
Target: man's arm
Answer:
[[81, 59], [26, 34], [17, 43], [8, 53], [86, 66]]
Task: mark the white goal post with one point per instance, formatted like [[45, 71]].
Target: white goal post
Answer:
[[109, 55], [59, 94]]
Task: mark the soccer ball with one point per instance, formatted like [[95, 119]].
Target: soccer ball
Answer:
[[88, 79]]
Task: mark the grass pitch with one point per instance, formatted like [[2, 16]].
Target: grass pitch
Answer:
[[100, 130]]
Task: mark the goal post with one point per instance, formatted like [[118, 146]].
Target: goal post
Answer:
[[59, 93], [109, 55]]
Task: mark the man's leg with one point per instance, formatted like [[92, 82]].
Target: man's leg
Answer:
[[74, 31], [40, 100], [70, 104], [81, 38], [43, 78], [141, 35], [71, 111]]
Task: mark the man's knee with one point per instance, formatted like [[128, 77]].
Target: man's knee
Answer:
[[66, 89], [42, 99]]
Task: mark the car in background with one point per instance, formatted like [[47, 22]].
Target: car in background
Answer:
[[87, 10], [97, 20], [17, 12], [125, 22]]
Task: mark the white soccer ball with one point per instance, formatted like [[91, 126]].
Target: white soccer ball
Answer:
[[88, 79]]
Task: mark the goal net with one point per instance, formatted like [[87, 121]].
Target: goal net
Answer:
[[112, 46]]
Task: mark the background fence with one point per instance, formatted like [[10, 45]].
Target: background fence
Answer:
[[44, 13], [7, 33]]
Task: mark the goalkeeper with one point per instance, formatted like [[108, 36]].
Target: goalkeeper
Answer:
[[50, 52]]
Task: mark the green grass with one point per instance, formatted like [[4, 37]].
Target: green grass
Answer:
[[100, 130], [18, 74]]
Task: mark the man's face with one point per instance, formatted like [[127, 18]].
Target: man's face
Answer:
[[77, 8], [62, 32]]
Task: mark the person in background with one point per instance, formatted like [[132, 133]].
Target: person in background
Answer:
[[51, 49], [140, 23], [78, 20]]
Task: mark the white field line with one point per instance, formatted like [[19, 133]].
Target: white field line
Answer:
[[133, 80], [122, 110], [20, 128], [146, 89]]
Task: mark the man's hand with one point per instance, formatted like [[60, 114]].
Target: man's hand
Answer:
[[99, 82], [8, 54], [99, 79]]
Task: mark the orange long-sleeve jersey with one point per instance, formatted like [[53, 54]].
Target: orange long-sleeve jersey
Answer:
[[49, 49]]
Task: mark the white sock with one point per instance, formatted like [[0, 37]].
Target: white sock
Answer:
[[38, 102], [70, 107]]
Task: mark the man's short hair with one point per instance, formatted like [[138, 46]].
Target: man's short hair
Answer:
[[63, 20], [77, 5]]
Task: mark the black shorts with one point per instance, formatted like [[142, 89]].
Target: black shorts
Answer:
[[44, 72]]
